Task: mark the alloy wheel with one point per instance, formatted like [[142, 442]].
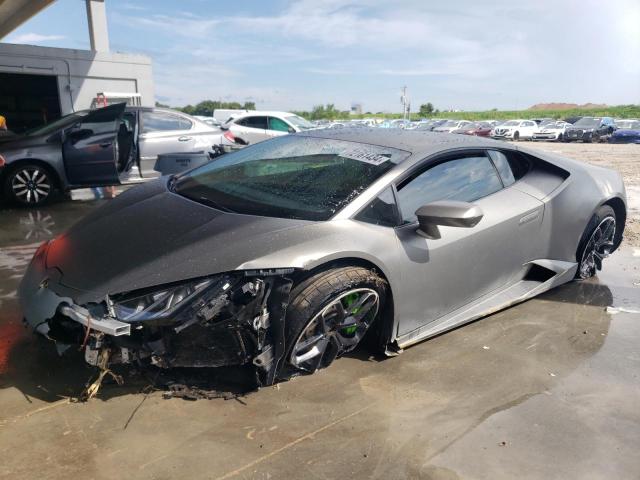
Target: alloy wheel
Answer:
[[31, 185], [336, 329], [598, 247]]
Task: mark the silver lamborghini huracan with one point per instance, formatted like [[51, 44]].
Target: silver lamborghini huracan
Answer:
[[287, 254]]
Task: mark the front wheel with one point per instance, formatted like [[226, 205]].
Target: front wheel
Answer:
[[597, 242], [516, 136], [329, 315], [29, 185]]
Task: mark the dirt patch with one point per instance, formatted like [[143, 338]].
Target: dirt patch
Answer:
[[623, 158]]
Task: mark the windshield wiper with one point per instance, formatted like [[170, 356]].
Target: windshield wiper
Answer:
[[210, 203]]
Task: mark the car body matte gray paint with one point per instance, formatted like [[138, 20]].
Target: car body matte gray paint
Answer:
[[150, 236]]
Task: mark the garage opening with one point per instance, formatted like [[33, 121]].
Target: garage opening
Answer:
[[28, 101]]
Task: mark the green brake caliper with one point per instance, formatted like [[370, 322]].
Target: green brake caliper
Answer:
[[349, 300]]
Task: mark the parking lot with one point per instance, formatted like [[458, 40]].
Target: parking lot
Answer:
[[546, 389]]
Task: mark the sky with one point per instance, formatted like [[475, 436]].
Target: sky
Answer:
[[292, 55]]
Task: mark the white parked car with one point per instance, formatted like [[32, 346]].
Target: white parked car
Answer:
[[551, 131], [515, 130], [451, 125], [256, 126]]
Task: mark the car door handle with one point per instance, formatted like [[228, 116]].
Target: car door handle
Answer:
[[184, 139], [106, 144]]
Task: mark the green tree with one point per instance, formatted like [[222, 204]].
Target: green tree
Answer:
[[426, 109]]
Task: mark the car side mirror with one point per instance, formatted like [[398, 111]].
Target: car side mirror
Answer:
[[291, 130], [449, 213]]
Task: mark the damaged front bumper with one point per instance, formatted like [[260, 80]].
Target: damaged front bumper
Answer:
[[236, 319]]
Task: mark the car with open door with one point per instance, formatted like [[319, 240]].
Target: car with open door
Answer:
[[282, 266], [93, 148]]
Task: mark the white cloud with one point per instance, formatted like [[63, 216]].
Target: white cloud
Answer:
[[465, 54], [35, 38]]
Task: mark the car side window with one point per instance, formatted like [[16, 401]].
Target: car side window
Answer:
[[278, 125], [502, 165], [163, 121], [512, 166], [466, 179], [253, 122], [381, 211]]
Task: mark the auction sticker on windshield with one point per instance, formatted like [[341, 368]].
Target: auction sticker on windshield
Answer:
[[366, 157]]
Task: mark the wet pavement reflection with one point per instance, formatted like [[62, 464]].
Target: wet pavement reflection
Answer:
[[547, 389]]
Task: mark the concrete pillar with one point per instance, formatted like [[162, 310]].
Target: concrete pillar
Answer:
[[97, 20]]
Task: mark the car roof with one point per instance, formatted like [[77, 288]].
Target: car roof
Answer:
[[253, 113], [419, 143]]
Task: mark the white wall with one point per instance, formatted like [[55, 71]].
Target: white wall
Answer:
[[81, 73]]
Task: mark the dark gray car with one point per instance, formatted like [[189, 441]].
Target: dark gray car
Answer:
[[93, 148], [282, 256]]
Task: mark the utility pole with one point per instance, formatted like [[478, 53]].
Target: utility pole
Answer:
[[406, 105]]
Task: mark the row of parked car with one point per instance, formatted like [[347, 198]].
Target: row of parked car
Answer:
[[119, 144], [585, 129]]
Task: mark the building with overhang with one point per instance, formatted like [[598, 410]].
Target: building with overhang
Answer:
[[39, 84]]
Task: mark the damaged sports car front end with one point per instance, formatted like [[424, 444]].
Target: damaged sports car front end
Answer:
[[228, 319], [281, 256]]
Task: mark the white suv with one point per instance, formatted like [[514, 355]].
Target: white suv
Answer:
[[256, 126], [515, 130]]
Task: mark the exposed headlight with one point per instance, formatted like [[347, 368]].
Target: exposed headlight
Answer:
[[158, 303]]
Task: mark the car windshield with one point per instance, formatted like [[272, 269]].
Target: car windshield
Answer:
[[56, 124], [289, 177], [511, 123], [628, 125], [450, 123], [587, 122], [299, 122]]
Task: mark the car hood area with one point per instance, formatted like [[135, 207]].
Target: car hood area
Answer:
[[20, 142], [150, 236]]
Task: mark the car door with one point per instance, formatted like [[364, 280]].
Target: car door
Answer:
[[162, 132], [278, 127], [253, 128], [90, 147], [444, 274]]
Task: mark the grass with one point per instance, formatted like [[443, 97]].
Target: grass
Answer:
[[619, 111]]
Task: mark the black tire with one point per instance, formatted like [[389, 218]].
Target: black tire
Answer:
[[602, 215], [516, 136], [314, 295], [29, 185], [595, 138]]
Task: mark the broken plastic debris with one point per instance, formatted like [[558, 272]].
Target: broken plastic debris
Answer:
[[552, 374], [614, 310], [484, 347]]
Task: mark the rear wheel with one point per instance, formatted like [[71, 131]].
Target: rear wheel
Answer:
[[329, 315], [597, 242], [29, 184]]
